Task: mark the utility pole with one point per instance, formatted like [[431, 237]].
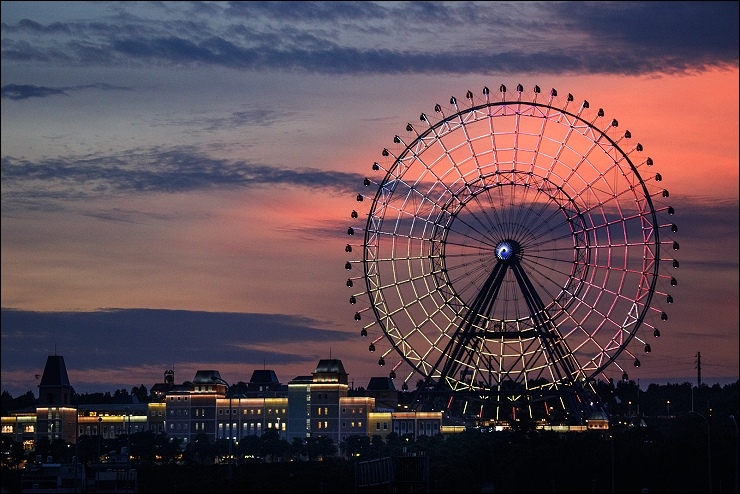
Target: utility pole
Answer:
[[698, 369]]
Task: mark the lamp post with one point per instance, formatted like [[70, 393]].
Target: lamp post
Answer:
[[100, 433], [734, 422], [709, 448], [128, 435], [228, 389]]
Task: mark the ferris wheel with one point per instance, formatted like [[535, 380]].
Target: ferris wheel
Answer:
[[511, 241]]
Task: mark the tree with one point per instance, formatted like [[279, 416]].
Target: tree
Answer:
[[202, 449], [356, 445], [320, 446], [140, 394], [170, 448], [249, 447], [12, 452], [121, 396], [272, 446]]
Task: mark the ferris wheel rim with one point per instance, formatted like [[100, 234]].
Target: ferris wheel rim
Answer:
[[651, 239]]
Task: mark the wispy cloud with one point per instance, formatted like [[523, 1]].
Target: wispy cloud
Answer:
[[148, 171], [25, 91], [363, 38]]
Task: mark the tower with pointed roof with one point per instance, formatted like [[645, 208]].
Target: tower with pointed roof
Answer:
[[54, 389], [56, 418]]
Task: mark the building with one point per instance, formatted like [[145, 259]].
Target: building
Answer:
[[318, 405]]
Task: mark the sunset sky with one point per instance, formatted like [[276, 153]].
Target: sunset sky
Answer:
[[177, 178]]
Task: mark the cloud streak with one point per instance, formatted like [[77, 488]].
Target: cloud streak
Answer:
[[597, 38], [148, 171], [25, 91]]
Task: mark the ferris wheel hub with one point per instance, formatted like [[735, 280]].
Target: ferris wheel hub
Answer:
[[506, 250]]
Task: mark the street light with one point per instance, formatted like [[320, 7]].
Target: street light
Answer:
[[228, 389], [128, 435], [734, 422], [100, 433], [709, 448]]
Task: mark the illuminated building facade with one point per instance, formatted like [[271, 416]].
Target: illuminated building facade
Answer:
[[308, 406]]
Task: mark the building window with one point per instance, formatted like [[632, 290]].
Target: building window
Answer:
[[377, 426], [7, 429]]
